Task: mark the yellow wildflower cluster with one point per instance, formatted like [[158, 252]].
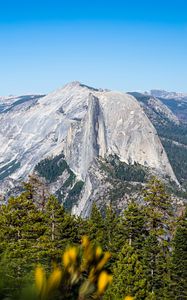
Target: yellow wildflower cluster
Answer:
[[70, 256], [94, 260], [45, 287], [83, 266], [103, 281]]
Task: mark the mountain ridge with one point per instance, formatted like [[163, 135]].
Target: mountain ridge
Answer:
[[84, 124]]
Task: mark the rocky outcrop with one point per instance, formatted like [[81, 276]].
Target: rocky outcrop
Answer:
[[86, 139], [84, 123]]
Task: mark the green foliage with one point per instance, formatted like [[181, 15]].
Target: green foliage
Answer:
[[173, 136], [158, 207], [179, 261], [22, 225], [174, 140], [76, 189], [96, 225], [135, 224], [36, 229], [177, 155], [81, 275], [110, 227], [52, 168], [69, 180], [36, 190], [73, 195], [126, 172], [129, 276], [156, 261], [177, 133], [156, 248]]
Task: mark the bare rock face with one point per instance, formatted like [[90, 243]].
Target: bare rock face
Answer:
[[114, 124], [84, 123], [86, 139]]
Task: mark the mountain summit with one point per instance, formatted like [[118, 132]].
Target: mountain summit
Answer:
[[84, 124]]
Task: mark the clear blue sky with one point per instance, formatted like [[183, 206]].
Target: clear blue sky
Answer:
[[121, 45]]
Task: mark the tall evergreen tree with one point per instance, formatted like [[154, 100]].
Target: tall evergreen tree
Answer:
[[156, 264], [179, 261], [135, 223], [61, 230], [36, 189], [51, 240], [110, 229], [156, 250], [158, 208], [22, 226], [96, 226], [129, 278]]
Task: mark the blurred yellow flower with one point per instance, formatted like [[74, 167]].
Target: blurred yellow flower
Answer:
[[76, 261], [54, 279], [128, 298], [66, 259], [40, 278], [70, 256], [103, 281], [92, 274], [103, 261], [98, 252], [85, 241], [73, 254]]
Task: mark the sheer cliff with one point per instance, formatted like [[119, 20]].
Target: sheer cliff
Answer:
[[84, 124]]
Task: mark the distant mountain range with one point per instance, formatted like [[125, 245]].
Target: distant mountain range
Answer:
[[168, 95], [92, 144], [177, 102]]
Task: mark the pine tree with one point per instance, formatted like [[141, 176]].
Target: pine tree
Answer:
[[50, 241], [158, 208], [61, 230], [110, 225], [156, 265], [96, 226], [128, 276], [21, 226], [156, 252], [135, 222], [179, 261], [36, 189]]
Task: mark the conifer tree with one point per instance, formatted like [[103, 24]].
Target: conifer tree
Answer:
[[158, 208], [110, 229], [135, 222], [61, 230], [179, 261], [51, 240], [156, 250], [22, 226], [156, 265], [129, 278], [36, 189], [96, 226]]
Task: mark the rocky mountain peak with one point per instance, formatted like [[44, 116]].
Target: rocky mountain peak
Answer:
[[83, 123]]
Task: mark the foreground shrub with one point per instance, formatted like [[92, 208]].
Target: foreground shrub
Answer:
[[81, 275]]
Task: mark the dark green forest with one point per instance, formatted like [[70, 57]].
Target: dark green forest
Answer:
[[51, 169], [141, 253]]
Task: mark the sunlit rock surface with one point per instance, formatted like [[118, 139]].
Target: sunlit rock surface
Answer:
[[82, 122]]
